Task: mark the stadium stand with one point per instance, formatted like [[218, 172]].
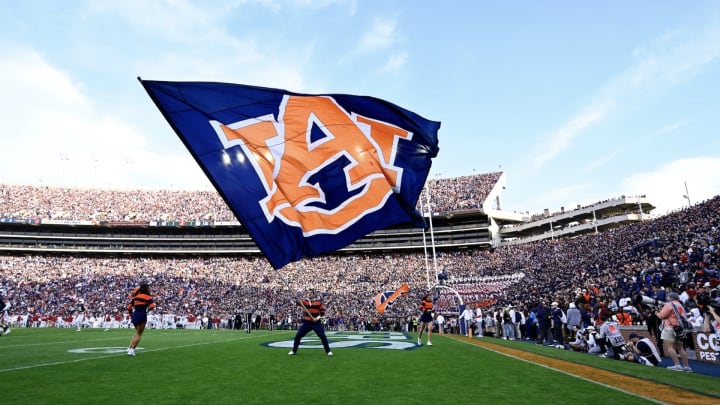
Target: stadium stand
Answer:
[[59, 245]]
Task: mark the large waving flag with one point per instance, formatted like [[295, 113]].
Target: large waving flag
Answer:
[[305, 174], [385, 299]]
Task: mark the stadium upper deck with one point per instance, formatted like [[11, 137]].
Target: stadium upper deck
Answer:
[[465, 214]]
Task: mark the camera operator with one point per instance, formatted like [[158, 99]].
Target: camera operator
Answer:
[[711, 323], [580, 342], [674, 346], [642, 350], [610, 331], [654, 326], [592, 340], [705, 300]]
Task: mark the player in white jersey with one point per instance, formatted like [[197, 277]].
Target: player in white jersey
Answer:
[[80, 317], [5, 306]]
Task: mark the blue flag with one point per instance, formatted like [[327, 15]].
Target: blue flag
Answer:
[[304, 174], [385, 299]]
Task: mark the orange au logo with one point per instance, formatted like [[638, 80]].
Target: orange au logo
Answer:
[[286, 154]]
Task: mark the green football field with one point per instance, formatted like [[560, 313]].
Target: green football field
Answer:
[[63, 366]]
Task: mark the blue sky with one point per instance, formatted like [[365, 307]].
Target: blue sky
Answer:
[[576, 101]]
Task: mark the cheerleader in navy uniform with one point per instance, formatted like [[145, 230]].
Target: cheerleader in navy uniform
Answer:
[[426, 319], [138, 308]]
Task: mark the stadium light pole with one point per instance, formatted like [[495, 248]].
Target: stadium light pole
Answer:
[[128, 166], [63, 162], [595, 221], [687, 195], [552, 233], [427, 262], [94, 161]]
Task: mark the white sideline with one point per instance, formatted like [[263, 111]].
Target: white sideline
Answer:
[[566, 373]]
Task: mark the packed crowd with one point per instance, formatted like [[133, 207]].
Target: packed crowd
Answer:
[[684, 252], [597, 274], [32, 202]]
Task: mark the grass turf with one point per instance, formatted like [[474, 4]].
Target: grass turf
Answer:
[[58, 366]]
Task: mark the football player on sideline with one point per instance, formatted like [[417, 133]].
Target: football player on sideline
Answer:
[[5, 306], [80, 317]]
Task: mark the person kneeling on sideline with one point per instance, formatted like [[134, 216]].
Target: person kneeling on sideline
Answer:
[[580, 343], [642, 350]]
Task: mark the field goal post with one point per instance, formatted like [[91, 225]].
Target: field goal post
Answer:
[[461, 305]]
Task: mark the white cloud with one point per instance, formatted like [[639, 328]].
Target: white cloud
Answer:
[[58, 137], [600, 162], [665, 63], [568, 193], [381, 35], [26, 80], [665, 186], [395, 62], [559, 140]]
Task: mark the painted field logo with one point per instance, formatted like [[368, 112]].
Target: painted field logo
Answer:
[[365, 340], [316, 134]]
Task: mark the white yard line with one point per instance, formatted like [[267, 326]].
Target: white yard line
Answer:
[[57, 363]]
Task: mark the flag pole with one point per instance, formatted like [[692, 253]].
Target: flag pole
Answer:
[[432, 234], [427, 262], [297, 298]]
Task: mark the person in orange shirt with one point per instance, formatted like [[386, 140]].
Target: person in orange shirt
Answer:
[[313, 311], [138, 308], [674, 346], [426, 319], [624, 318]]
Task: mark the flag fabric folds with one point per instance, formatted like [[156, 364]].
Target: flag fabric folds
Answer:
[[304, 174], [385, 299]]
